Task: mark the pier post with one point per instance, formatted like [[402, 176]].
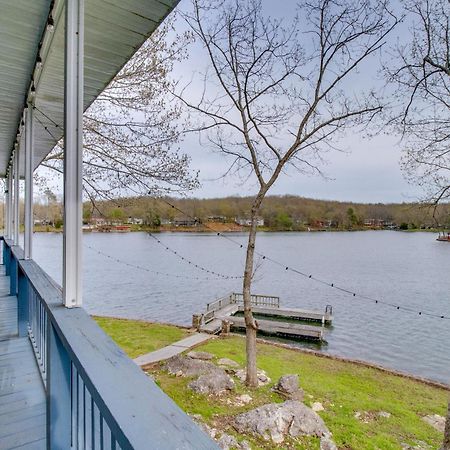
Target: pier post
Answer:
[[196, 321]]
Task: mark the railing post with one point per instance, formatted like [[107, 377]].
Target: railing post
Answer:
[[73, 152], [13, 270], [6, 257], [22, 306], [59, 413]]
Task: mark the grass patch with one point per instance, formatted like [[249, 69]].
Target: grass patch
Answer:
[[342, 387], [137, 338]]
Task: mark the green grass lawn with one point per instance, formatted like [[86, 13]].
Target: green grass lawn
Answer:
[[343, 388], [137, 338]]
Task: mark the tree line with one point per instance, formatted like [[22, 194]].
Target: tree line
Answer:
[[287, 212]]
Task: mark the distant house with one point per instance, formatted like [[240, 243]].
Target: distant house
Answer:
[[375, 223], [135, 221], [185, 222], [98, 221], [244, 222], [218, 219]]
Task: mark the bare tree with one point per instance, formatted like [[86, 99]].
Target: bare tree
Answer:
[[446, 443], [278, 93], [131, 132], [420, 73]]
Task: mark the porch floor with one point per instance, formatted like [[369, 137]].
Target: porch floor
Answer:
[[22, 394]]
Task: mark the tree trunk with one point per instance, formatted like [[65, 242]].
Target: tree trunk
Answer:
[[250, 323], [446, 443]]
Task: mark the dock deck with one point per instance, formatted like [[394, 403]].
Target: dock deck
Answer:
[[226, 308], [22, 395]]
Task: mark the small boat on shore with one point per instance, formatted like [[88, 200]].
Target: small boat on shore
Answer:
[[443, 237]]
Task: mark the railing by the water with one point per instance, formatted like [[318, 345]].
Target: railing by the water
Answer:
[[97, 398], [257, 300]]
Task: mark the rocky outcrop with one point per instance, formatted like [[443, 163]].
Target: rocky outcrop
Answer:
[[436, 421], [317, 407], [263, 379], [214, 383], [289, 388], [327, 444], [189, 367], [275, 421], [205, 356], [228, 442], [224, 440], [226, 362]]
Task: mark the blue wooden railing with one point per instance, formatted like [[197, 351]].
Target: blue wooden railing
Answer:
[[97, 398]]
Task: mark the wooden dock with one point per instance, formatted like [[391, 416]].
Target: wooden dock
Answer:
[[275, 320]]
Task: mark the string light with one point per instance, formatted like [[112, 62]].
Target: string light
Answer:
[[314, 278], [50, 23], [197, 266], [146, 269], [271, 260]]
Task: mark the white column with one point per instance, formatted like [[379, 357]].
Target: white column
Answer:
[[16, 191], [6, 210], [9, 205], [28, 236], [73, 157]]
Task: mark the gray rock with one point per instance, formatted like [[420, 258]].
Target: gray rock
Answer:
[[200, 355], [263, 379], [228, 363], [288, 387], [317, 407], [436, 421], [327, 444], [384, 414], [277, 420], [214, 383], [419, 445], [228, 442], [188, 367]]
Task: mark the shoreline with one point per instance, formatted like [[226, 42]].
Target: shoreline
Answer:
[[358, 362], [242, 230]]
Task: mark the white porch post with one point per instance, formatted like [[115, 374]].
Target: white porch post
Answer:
[[73, 149], [16, 196], [28, 236], [6, 227], [9, 205]]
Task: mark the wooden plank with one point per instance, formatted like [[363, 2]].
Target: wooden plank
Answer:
[[298, 314], [41, 444], [171, 350], [274, 327], [24, 436]]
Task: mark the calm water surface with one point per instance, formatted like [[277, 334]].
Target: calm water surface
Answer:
[[408, 269]]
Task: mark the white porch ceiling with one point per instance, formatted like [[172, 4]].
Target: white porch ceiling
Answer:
[[114, 30]]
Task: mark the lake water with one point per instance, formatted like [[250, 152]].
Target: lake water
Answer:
[[408, 269]]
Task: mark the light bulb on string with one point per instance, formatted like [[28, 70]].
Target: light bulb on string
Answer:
[[50, 23]]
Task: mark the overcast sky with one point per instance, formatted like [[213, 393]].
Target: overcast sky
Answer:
[[368, 170]]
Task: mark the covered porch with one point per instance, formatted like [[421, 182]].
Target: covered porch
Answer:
[[64, 384]]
